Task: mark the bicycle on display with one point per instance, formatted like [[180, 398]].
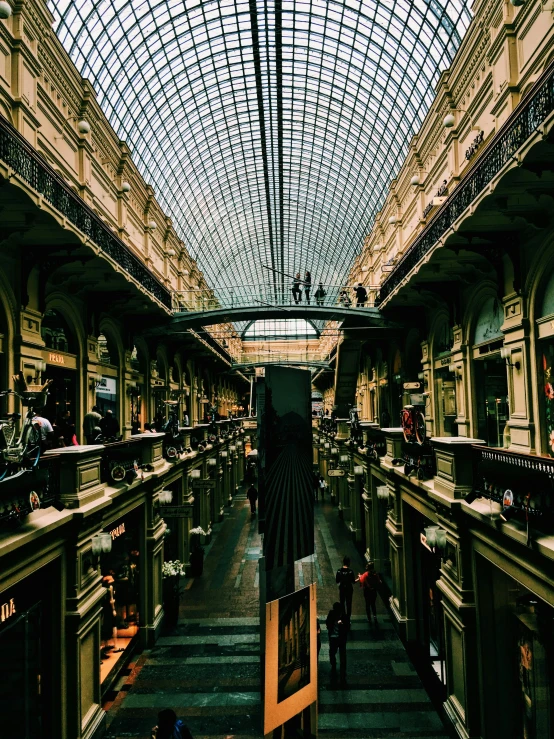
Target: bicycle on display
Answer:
[[23, 451], [173, 442], [412, 420]]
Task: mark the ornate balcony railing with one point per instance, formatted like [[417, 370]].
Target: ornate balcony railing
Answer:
[[32, 168], [524, 479], [525, 119]]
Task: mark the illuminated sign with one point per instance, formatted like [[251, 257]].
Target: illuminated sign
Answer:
[[7, 610], [56, 358], [118, 531]]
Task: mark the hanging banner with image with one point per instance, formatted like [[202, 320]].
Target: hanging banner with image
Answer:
[[290, 656]]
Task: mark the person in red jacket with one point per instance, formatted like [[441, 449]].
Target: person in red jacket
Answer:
[[370, 580]]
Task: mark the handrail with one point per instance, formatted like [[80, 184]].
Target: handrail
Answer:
[[18, 154], [524, 119]]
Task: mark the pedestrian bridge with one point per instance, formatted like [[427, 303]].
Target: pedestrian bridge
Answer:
[[194, 308]]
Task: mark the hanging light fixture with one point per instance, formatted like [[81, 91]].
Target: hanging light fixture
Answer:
[[344, 458], [431, 535], [195, 474], [165, 497], [224, 453], [382, 492], [358, 469], [212, 462]]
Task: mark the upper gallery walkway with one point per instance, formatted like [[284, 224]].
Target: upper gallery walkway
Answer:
[[207, 668], [193, 308]]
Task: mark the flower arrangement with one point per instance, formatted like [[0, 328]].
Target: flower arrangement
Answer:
[[199, 530], [173, 568]]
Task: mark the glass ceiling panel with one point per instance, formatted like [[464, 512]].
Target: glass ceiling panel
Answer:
[[269, 129]]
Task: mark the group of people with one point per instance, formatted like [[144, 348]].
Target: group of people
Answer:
[[98, 427], [299, 285], [338, 619]]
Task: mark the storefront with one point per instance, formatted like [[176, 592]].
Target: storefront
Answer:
[[426, 561], [121, 569], [517, 656], [60, 359], [29, 668]]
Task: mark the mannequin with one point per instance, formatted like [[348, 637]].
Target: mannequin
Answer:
[[108, 615]]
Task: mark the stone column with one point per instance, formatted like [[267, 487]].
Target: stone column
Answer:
[[153, 544], [452, 483]]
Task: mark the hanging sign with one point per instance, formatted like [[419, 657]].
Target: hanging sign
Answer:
[[412, 385], [203, 483], [176, 511], [335, 473]]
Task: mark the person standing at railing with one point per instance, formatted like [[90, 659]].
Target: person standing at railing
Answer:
[[296, 289], [320, 294], [361, 295], [307, 286]]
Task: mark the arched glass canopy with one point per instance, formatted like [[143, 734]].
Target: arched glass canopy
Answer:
[[269, 130]]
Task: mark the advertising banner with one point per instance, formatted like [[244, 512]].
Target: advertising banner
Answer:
[[290, 656]]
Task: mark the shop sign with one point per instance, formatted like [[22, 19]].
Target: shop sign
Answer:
[[446, 361], [335, 473], [203, 483], [118, 531], [176, 511], [54, 358], [7, 610]]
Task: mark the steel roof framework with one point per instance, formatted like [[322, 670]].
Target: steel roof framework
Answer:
[[270, 129]]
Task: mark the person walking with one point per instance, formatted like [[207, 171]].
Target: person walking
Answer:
[[337, 628], [320, 294], [307, 286], [90, 422], [170, 727], [345, 579], [361, 295], [370, 580], [322, 486], [252, 495], [296, 289]]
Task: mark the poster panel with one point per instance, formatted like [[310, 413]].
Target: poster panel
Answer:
[[290, 656]]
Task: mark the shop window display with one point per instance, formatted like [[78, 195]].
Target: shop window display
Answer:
[[547, 395], [446, 396], [491, 397], [120, 578]]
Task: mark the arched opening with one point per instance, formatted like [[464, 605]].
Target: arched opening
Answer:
[[489, 372], [61, 367], [107, 388], [445, 409]]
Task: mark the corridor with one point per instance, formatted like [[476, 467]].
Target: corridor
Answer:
[[207, 669]]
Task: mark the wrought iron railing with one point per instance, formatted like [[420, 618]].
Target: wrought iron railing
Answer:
[[525, 119], [269, 295], [32, 168]]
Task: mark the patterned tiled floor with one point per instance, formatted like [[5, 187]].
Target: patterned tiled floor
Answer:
[[207, 669]]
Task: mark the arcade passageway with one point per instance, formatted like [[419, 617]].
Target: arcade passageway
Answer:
[[207, 668]]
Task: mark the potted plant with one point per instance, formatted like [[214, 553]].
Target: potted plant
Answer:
[[172, 571], [196, 551]]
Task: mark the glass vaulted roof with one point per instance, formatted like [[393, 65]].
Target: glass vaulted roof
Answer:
[[270, 129]]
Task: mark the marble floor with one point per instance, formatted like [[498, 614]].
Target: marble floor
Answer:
[[207, 669]]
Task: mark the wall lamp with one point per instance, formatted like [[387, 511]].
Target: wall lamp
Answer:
[[506, 353], [382, 492], [101, 544], [224, 453], [358, 469], [436, 537], [344, 458], [96, 381], [170, 253], [125, 186], [415, 180], [152, 225], [449, 120], [232, 448], [212, 462], [327, 445], [334, 450], [5, 10], [195, 474], [83, 126], [393, 220], [165, 497]]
